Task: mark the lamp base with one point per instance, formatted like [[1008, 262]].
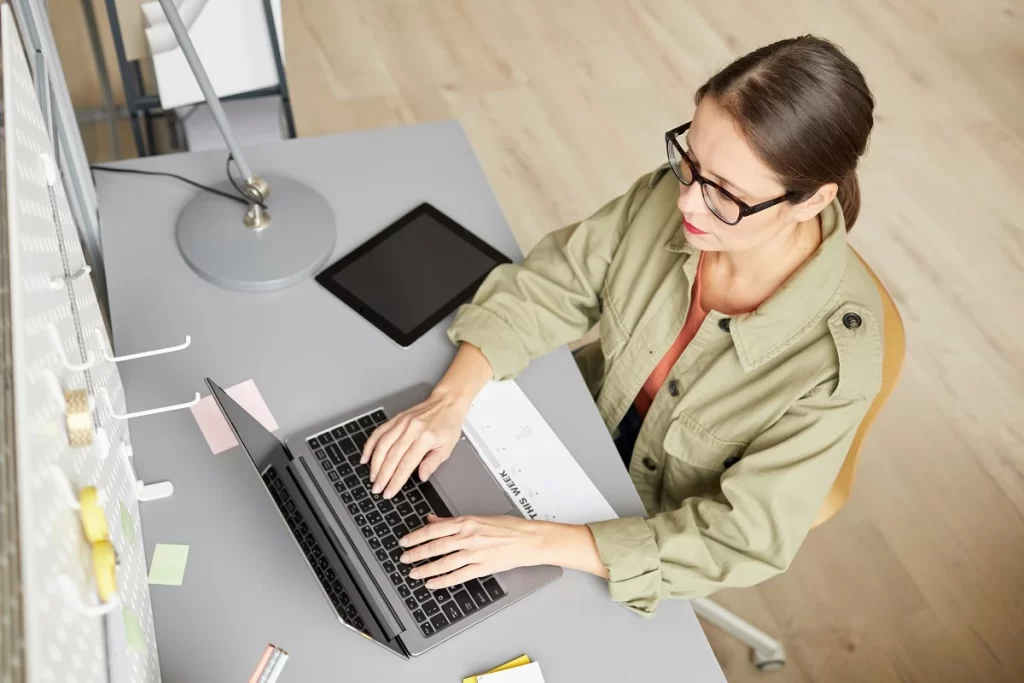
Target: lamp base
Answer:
[[217, 245]]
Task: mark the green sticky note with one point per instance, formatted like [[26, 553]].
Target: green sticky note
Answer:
[[127, 523], [133, 630], [168, 566]]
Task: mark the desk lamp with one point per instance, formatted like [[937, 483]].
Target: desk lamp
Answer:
[[283, 237]]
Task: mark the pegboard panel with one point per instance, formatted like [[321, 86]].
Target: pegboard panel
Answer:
[[59, 343]]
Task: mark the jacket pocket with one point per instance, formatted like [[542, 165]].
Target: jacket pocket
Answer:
[[689, 442]]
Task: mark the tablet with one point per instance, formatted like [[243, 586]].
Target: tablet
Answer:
[[411, 275]]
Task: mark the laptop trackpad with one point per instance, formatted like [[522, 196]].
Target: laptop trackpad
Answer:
[[469, 485]]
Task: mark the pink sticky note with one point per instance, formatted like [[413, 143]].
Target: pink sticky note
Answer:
[[215, 428]]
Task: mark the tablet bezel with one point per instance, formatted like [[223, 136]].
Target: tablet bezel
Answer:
[[349, 298]]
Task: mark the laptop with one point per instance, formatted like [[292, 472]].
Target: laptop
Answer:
[[349, 536]]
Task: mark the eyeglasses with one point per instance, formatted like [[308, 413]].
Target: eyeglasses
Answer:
[[724, 205]]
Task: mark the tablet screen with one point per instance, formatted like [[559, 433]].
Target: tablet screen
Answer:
[[413, 273]]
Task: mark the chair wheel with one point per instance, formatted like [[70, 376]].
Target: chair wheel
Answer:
[[770, 665]]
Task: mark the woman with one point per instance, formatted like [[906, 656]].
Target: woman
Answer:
[[740, 343]]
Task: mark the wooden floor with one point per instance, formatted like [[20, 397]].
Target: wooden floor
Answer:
[[921, 577]]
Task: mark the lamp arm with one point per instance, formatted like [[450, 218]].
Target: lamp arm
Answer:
[[221, 119]]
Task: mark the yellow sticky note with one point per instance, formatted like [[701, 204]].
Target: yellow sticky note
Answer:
[[168, 565], [133, 631], [518, 661], [127, 523]]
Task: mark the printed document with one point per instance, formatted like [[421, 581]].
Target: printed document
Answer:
[[529, 460]]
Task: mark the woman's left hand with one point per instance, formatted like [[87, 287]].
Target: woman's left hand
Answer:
[[471, 547]]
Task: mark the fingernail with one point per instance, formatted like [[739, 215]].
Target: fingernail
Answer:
[[414, 574], [404, 559]]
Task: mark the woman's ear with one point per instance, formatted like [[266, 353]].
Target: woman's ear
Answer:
[[816, 203]]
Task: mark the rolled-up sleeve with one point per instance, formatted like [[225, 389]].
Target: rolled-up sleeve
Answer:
[[748, 532], [523, 311]]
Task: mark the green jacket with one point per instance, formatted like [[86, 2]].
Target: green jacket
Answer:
[[749, 430]]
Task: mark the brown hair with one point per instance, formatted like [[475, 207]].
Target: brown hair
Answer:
[[806, 110]]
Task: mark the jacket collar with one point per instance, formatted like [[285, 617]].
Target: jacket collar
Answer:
[[803, 300]]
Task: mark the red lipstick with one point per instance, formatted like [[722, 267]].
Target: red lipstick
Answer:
[[692, 229]]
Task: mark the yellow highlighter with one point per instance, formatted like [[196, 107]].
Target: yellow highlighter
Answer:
[[518, 661]]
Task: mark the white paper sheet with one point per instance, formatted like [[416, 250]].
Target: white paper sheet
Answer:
[[529, 460], [528, 673]]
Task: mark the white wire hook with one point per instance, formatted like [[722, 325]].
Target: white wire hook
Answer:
[[111, 358], [53, 384], [68, 365], [143, 413], [61, 282], [71, 595]]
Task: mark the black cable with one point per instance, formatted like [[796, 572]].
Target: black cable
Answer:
[[241, 200], [227, 170]]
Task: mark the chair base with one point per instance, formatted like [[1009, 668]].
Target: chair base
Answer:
[[766, 653]]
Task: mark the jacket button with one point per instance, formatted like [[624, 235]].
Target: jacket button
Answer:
[[650, 464], [673, 388], [723, 325], [852, 321], [730, 461]]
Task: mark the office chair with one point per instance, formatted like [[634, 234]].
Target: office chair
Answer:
[[768, 654]]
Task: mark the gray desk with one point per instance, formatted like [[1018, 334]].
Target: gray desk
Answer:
[[311, 357]]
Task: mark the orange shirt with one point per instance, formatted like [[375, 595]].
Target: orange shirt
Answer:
[[694, 319]]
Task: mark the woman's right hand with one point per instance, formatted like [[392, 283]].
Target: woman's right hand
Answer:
[[422, 436]]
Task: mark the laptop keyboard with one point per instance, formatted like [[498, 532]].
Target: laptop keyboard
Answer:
[[382, 522], [328, 579]]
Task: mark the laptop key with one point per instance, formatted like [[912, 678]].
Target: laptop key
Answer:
[[352, 481], [452, 611], [320, 455], [411, 603], [325, 438], [493, 589], [396, 554], [385, 506], [335, 453], [383, 530], [333, 475], [439, 621], [404, 569], [366, 505], [367, 532], [338, 432], [414, 496], [427, 629], [365, 422], [400, 530], [375, 517], [313, 442], [379, 417], [340, 488], [422, 594], [382, 555], [465, 602], [344, 469], [396, 579], [431, 608], [404, 591], [360, 520], [409, 486], [442, 595], [389, 566], [352, 427], [393, 518], [360, 440], [345, 497], [405, 509], [430, 493], [390, 542], [480, 595], [326, 465], [353, 508], [419, 616], [363, 472], [359, 493], [347, 447], [413, 522], [422, 509]]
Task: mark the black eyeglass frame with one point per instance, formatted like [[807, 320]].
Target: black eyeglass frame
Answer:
[[672, 139]]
